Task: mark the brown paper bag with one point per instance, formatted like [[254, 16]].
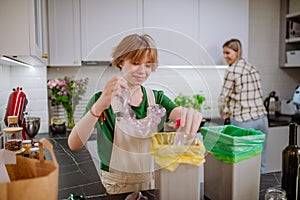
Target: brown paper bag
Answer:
[[32, 178]]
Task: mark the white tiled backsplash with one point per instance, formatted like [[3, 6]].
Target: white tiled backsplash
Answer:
[[33, 82]]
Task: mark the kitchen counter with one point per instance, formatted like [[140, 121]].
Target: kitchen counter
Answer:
[[78, 175]]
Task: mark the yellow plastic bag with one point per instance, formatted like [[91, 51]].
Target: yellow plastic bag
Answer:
[[169, 156]]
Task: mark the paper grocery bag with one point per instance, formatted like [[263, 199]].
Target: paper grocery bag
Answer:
[[32, 178]]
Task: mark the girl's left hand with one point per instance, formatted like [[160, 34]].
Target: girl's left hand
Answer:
[[190, 120]]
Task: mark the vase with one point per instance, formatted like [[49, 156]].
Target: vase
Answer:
[[70, 121]]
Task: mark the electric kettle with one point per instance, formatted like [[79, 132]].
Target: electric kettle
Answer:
[[272, 104]]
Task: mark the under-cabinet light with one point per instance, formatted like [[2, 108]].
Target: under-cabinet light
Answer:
[[9, 59]]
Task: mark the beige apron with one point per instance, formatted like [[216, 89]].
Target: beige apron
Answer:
[[131, 165]]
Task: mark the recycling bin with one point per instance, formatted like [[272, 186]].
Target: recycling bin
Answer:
[[232, 167]]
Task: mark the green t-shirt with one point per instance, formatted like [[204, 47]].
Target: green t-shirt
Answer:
[[105, 132]]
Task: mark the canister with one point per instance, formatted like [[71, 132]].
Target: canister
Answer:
[[34, 153], [13, 138]]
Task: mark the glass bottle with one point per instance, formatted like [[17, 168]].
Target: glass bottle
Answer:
[[275, 194], [290, 163]]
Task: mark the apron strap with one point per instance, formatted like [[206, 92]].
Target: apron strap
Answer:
[[150, 97]]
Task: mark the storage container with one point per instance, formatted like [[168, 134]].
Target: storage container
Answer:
[[293, 57], [232, 181], [232, 167], [13, 139], [177, 174], [183, 183]]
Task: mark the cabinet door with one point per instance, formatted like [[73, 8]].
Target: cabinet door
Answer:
[[64, 33], [174, 25], [104, 23], [15, 24]]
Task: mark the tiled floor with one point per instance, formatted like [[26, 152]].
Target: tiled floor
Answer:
[[78, 175]]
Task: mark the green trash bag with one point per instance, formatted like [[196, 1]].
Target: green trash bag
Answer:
[[232, 144]]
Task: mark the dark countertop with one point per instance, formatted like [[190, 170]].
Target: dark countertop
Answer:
[[78, 175], [281, 120]]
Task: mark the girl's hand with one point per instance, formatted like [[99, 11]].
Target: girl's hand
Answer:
[[190, 120], [112, 88]]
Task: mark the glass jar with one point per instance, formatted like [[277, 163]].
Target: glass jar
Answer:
[[35, 153], [275, 194], [13, 138], [27, 146]]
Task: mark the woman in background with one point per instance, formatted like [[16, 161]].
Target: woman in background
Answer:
[[241, 98]]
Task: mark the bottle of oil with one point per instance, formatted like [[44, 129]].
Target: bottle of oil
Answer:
[[290, 162]]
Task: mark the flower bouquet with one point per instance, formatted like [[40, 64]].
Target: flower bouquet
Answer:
[[68, 93]]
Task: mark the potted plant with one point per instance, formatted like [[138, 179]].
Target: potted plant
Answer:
[[195, 101]]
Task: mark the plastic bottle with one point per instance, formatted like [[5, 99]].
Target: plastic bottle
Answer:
[[290, 162]]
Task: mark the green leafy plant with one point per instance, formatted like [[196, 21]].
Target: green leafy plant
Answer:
[[195, 101]]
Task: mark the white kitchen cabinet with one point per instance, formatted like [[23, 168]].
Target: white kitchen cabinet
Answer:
[[174, 25], [104, 23], [290, 33], [64, 32], [23, 28]]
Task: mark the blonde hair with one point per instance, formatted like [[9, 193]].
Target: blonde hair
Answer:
[[235, 45], [134, 47]]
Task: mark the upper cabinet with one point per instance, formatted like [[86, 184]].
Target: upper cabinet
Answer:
[[186, 32], [24, 28], [174, 25], [64, 32], [104, 23], [290, 33]]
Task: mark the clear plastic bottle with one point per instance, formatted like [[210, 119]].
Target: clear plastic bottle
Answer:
[[275, 194]]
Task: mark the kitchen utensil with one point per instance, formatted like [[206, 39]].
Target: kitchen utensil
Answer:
[[272, 104]]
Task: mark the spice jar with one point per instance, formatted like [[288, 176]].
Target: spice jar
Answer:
[[27, 146], [35, 153], [13, 138]]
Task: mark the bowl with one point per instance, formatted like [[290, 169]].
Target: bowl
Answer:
[[32, 126]]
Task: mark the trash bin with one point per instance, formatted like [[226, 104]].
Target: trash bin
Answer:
[[177, 174], [232, 167]]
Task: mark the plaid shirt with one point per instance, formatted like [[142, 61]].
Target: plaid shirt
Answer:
[[241, 95]]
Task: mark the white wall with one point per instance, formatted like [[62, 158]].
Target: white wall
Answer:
[[221, 20], [33, 82]]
